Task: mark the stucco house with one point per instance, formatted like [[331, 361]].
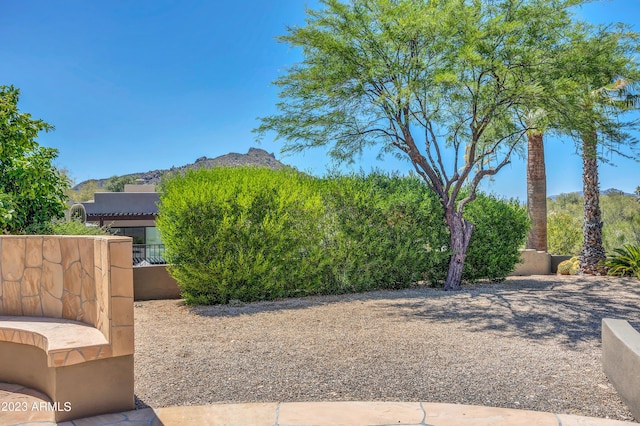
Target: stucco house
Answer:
[[131, 213]]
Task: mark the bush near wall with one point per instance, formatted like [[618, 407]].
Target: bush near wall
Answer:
[[387, 232], [501, 228], [258, 234], [242, 233]]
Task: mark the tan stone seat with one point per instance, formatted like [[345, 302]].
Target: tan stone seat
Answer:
[[66, 342], [66, 320]]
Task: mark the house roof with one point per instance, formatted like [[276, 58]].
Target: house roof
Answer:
[[119, 204]]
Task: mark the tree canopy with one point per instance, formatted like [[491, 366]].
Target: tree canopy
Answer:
[[117, 183], [446, 84], [32, 189]]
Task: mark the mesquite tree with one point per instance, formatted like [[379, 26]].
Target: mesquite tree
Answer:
[[442, 83]]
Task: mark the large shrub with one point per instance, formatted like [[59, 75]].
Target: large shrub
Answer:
[[254, 234], [500, 229], [242, 233], [387, 233]]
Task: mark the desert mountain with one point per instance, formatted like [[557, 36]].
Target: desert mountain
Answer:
[[255, 157]]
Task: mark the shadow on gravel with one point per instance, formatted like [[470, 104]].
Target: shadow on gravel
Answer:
[[416, 293], [569, 311], [565, 309]]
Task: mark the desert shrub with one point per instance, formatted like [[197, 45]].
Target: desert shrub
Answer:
[[564, 234], [500, 229], [625, 261], [255, 234], [76, 227], [620, 218], [242, 233], [387, 232], [569, 266], [67, 227]]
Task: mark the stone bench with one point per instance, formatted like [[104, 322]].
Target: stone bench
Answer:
[[66, 321], [621, 360]]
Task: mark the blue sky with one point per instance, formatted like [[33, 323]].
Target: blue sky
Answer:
[[148, 84]]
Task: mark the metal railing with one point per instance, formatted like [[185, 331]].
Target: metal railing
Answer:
[[148, 254]]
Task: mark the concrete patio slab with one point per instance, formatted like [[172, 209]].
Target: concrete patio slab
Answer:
[[13, 398], [454, 414], [350, 413], [22, 405], [571, 420], [257, 414]]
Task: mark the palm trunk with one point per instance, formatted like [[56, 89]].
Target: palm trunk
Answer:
[[536, 192], [592, 248], [460, 235]]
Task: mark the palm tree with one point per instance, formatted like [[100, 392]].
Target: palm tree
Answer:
[[612, 100], [595, 100], [536, 181]]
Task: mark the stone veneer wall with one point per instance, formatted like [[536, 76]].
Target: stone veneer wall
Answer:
[[83, 278]]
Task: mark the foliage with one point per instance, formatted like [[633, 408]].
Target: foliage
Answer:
[[625, 261], [117, 183], [32, 190], [254, 234], [67, 227], [500, 230], [85, 193], [620, 217], [570, 266], [246, 234], [563, 231], [386, 232], [421, 77], [76, 227]]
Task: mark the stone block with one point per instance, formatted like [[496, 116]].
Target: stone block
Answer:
[[33, 258], [13, 258], [51, 249], [52, 278]]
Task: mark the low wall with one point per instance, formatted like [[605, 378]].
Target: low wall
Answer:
[[556, 260], [621, 361], [153, 282], [535, 263]]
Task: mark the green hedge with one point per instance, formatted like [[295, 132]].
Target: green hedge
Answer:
[[257, 234], [500, 230]]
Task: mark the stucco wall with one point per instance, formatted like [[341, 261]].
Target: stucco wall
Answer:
[[535, 263], [153, 282], [621, 360]]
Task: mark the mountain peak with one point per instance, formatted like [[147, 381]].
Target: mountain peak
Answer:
[[254, 157]]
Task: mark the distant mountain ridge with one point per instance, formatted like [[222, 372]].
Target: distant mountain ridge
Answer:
[[605, 192], [254, 157]]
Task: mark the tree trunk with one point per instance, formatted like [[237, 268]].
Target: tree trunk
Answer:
[[460, 231], [592, 248], [536, 192]]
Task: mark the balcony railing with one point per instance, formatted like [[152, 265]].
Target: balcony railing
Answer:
[[148, 254]]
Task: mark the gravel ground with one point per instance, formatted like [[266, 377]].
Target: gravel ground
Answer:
[[531, 343]]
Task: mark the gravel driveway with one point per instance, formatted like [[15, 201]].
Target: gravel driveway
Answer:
[[530, 343]]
